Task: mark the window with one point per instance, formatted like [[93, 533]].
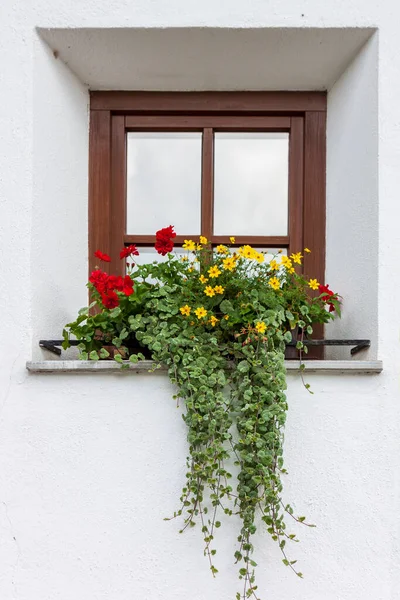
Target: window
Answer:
[[248, 164]]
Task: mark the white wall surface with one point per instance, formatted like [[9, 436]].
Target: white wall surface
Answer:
[[76, 453]]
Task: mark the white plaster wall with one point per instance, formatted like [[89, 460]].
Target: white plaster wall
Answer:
[[75, 452], [352, 252], [60, 194], [92, 465]]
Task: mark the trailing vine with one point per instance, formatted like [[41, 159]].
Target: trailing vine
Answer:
[[219, 320]]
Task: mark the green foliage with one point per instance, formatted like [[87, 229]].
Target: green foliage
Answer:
[[223, 340]]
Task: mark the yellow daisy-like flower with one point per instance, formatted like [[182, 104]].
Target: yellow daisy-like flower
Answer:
[[229, 263], [259, 257], [232, 239], [273, 265], [185, 310], [203, 279], [209, 291], [287, 262], [199, 247], [296, 258], [200, 312], [213, 321], [218, 289], [313, 284], [307, 250], [291, 270], [247, 252], [226, 317], [184, 258], [203, 240], [274, 283], [191, 269], [214, 272], [221, 249], [261, 326], [189, 245]]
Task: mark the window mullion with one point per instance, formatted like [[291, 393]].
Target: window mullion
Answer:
[[207, 183]]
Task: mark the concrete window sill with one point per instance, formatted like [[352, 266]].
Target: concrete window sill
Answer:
[[367, 367]]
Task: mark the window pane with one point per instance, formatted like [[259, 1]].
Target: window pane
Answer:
[[148, 255], [164, 182], [251, 183]]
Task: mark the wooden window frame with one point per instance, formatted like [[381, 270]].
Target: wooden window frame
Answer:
[[302, 114]]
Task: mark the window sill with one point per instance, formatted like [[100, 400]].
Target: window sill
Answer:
[[364, 367]]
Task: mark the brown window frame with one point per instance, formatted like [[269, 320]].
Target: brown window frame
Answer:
[[302, 114]]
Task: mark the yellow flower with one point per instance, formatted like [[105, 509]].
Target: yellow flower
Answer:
[[226, 317], [261, 326], [213, 321], [200, 312], [247, 252], [313, 283], [274, 265], [185, 310], [203, 279], [259, 257], [218, 289], [296, 258], [274, 283], [184, 258], [232, 239], [287, 262], [307, 250], [189, 245], [209, 291], [221, 249], [191, 269], [198, 247], [291, 270], [214, 272], [203, 240], [229, 263]]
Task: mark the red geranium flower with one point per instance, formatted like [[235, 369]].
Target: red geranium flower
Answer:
[[327, 293], [115, 282], [110, 299], [99, 279], [164, 243], [128, 286], [102, 256], [129, 251]]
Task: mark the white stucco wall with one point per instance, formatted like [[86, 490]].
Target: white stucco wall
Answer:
[[88, 464]]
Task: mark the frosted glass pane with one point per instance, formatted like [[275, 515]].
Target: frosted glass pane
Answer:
[[149, 255], [163, 182], [251, 183]]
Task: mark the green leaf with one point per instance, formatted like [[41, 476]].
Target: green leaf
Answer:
[[103, 353], [94, 355], [243, 366], [287, 337], [226, 307]]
